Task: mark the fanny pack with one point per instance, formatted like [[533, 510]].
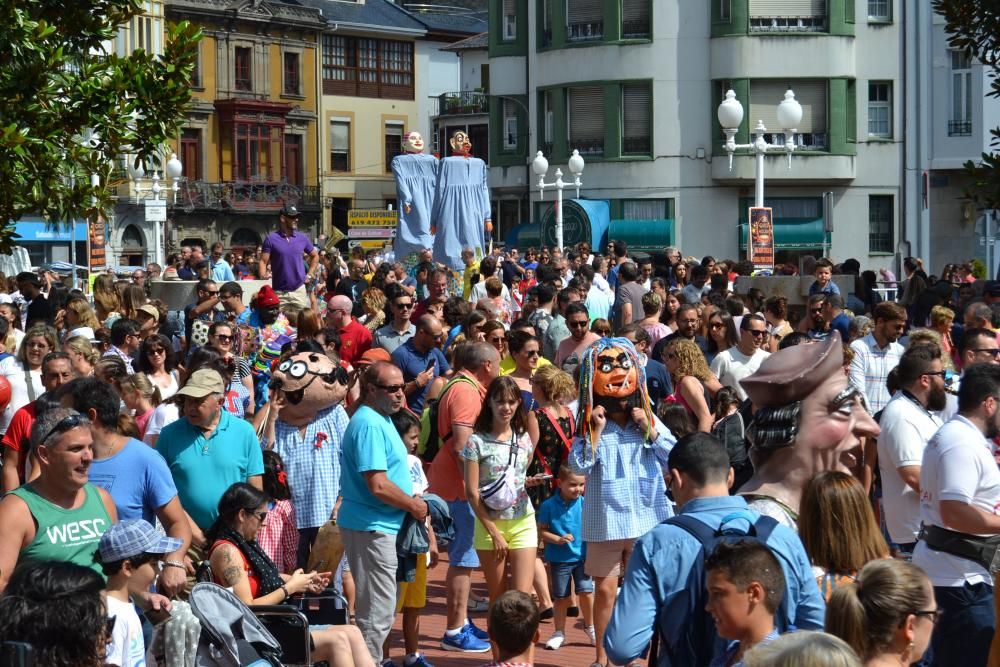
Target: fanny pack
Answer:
[[981, 550], [502, 493]]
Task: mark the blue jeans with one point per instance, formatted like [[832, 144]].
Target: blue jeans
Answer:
[[964, 631]]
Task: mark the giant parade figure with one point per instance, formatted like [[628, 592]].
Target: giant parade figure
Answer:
[[416, 182], [461, 217]]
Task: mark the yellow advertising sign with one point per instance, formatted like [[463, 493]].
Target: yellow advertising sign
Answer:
[[373, 217]]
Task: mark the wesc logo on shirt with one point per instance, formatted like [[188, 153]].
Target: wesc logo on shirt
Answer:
[[76, 532]]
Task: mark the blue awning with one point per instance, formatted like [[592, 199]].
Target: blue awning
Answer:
[[39, 231]]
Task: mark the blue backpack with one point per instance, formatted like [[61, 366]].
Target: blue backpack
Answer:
[[697, 642]]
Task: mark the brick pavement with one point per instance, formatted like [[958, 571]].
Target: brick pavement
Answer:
[[576, 652]]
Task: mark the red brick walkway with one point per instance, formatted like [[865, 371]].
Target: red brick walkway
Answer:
[[576, 652]]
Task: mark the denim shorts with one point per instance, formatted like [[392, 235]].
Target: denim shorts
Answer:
[[461, 552], [563, 573]]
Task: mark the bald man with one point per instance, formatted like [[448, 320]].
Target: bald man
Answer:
[[421, 360], [355, 338]]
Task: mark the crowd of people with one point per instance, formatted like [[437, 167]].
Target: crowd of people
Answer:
[[670, 469]]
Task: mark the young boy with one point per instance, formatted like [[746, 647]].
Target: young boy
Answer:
[[513, 627], [128, 553], [413, 595], [824, 279], [745, 586], [560, 526]]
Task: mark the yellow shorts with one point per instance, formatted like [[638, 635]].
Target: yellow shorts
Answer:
[[413, 594], [519, 533]]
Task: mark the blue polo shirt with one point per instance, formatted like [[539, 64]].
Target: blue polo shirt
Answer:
[[203, 468], [563, 518], [413, 362], [371, 443]]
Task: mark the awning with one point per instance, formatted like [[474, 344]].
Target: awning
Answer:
[[791, 233], [39, 231], [643, 234]]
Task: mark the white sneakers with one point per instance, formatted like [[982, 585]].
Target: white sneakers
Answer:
[[591, 635], [555, 641]]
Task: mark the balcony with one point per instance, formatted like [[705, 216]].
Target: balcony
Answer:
[[462, 103], [246, 196], [636, 146], [959, 128], [585, 32], [588, 147], [779, 24], [638, 29]]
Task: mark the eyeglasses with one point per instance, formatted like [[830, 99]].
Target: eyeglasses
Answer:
[[65, 424], [403, 306], [716, 325], [389, 388], [943, 374], [223, 338], [756, 333], [38, 346], [816, 310], [993, 351], [212, 292], [533, 353], [261, 516], [933, 614], [158, 350], [577, 325], [496, 340]]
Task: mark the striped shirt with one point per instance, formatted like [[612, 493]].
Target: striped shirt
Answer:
[[870, 368]]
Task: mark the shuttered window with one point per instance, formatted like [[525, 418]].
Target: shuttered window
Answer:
[[636, 107], [509, 27], [636, 19], [768, 8], [584, 19], [644, 209], [340, 144], [586, 120], [811, 94]]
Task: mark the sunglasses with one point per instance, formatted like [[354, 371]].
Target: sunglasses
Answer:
[[533, 353], [65, 424], [993, 352], [223, 338], [390, 388], [403, 306], [496, 340], [158, 350], [261, 516], [755, 333], [576, 325]]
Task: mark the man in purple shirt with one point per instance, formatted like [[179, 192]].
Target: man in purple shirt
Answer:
[[286, 249]]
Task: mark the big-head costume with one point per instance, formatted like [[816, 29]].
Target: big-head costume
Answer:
[[610, 371], [462, 215], [307, 380], [416, 182]]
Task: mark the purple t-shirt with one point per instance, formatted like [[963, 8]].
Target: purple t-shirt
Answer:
[[288, 269]]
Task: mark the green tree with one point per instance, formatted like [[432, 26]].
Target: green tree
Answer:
[[58, 85], [973, 26]]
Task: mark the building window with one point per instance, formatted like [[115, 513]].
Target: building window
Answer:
[[880, 10], [510, 130], [636, 114], [191, 153], [547, 22], [367, 67], [549, 117], [725, 10], [196, 73], [509, 26], [644, 209], [584, 20], [586, 120], [636, 19], [960, 124], [880, 109], [880, 223], [242, 74], [788, 16], [340, 145], [393, 142], [292, 72], [810, 93]]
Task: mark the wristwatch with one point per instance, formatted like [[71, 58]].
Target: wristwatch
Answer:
[[174, 563]]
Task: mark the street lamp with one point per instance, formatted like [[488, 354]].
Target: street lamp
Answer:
[[731, 115], [173, 171], [541, 167]]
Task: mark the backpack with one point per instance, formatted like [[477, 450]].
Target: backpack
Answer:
[[697, 640], [430, 440]]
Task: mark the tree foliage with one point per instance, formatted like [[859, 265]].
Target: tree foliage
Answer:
[[59, 88], [973, 26]]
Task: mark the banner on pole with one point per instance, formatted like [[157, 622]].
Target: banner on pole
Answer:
[[761, 245]]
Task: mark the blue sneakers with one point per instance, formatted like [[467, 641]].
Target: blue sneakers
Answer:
[[479, 634], [465, 641], [421, 661]]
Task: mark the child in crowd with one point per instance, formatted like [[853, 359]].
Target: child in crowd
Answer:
[[413, 595], [824, 279], [127, 553], [560, 526], [745, 585], [513, 627], [279, 536]]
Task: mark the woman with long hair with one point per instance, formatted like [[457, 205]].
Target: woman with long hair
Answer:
[[525, 350], [888, 615], [82, 355], [158, 361], [681, 275], [722, 333], [495, 334], [670, 306], [834, 504], [496, 460], [776, 314], [279, 537], [220, 339], [79, 319], [15, 333], [106, 301], [239, 562], [24, 371], [693, 381], [133, 297], [140, 396], [373, 301], [553, 389], [942, 318], [308, 325]]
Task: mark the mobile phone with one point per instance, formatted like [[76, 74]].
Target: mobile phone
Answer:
[[157, 616], [430, 365]]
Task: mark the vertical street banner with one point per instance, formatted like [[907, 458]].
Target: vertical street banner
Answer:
[[97, 244], [760, 244]]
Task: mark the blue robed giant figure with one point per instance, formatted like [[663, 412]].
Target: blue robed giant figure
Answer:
[[416, 182], [462, 204]]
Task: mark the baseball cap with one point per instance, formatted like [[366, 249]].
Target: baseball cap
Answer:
[[133, 537], [373, 355], [202, 382], [289, 210], [150, 310]]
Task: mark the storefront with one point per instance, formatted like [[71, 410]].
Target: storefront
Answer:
[[50, 242]]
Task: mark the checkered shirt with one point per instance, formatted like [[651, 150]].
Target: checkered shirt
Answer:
[[626, 494], [313, 464], [870, 368]]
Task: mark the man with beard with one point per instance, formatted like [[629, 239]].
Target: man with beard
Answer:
[[268, 318], [814, 324], [688, 324], [908, 423], [878, 353], [959, 496]]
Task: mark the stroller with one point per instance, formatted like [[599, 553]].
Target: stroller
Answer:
[[231, 635]]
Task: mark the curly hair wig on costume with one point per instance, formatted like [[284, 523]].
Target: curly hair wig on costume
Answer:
[[592, 370]]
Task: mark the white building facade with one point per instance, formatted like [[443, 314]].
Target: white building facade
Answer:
[[635, 84]]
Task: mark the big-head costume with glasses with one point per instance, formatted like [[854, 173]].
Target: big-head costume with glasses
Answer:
[[308, 381]]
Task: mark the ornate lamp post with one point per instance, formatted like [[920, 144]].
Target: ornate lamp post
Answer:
[[541, 167]]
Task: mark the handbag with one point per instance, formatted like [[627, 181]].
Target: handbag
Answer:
[[503, 492], [567, 444]]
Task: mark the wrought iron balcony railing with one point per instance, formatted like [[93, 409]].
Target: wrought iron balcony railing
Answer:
[[246, 196], [464, 102]]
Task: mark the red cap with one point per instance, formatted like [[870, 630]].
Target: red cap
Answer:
[[266, 297]]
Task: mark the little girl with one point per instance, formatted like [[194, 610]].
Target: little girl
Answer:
[[140, 396], [278, 537]]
